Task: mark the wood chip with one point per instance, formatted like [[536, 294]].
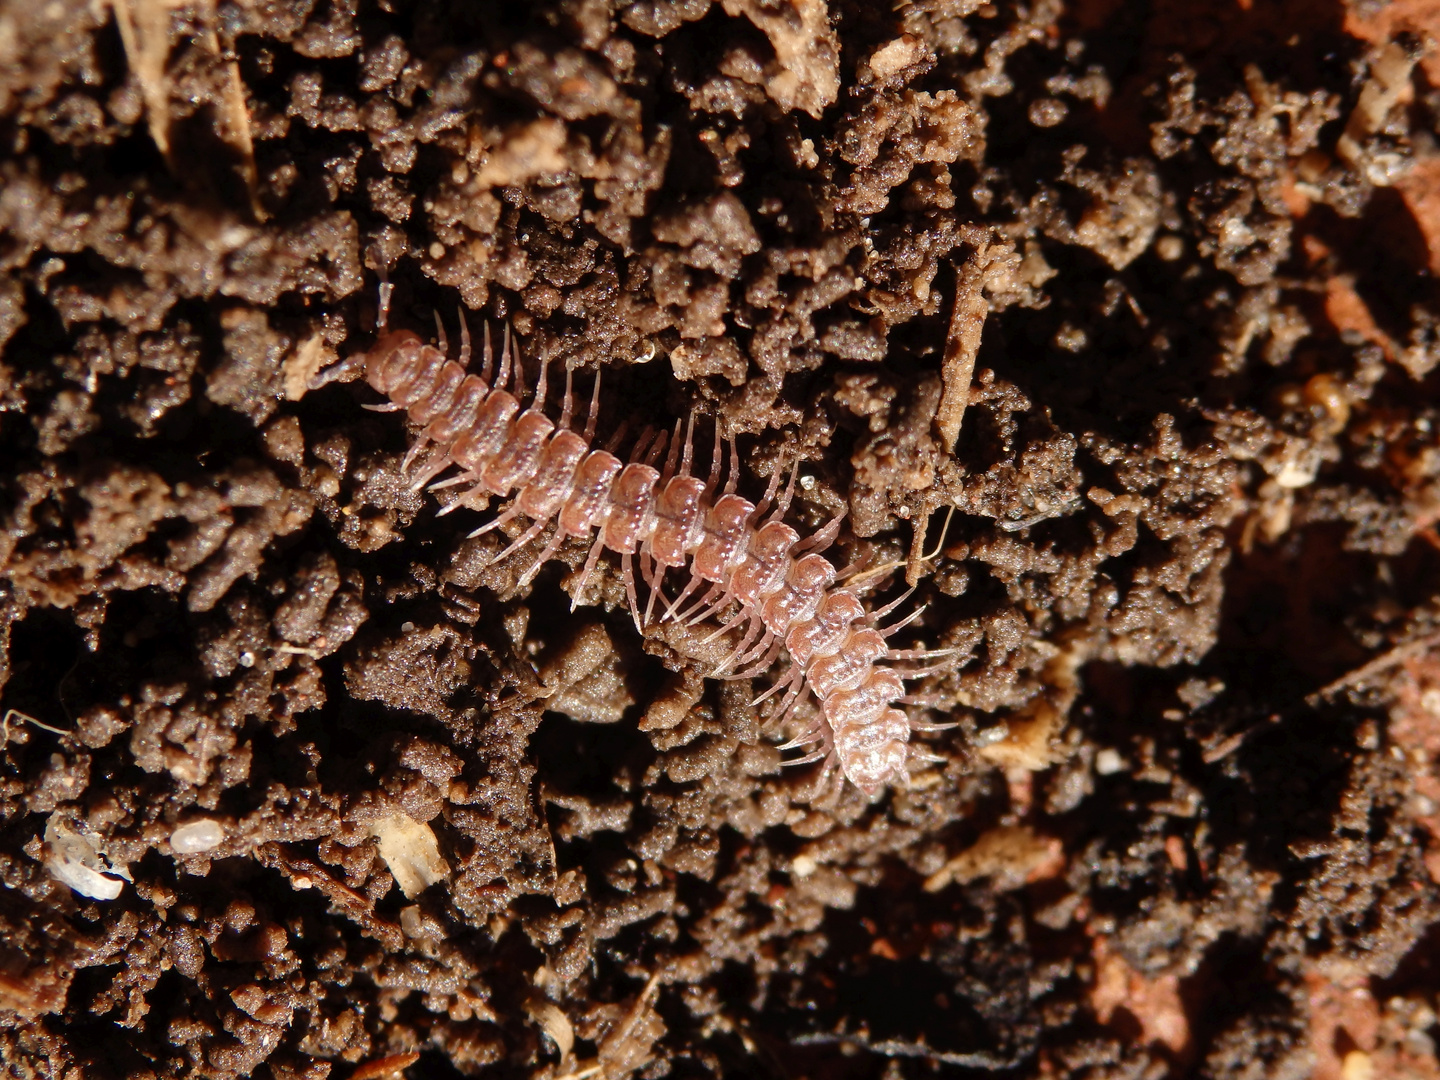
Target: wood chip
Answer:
[[386, 1066], [144, 27], [309, 358], [962, 343], [1009, 855], [555, 1024]]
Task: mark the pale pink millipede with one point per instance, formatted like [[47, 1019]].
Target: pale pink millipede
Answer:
[[786, 594]]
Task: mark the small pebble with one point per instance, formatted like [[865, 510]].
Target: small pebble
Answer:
[[1108, 762], [1047, 112], [1071, 338], [1169, 247], [196, 836], [991, 735], [1357, 1065]]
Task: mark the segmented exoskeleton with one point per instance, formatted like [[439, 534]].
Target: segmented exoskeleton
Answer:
[[786, 594]]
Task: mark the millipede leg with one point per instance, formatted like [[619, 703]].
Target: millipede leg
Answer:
[[520, 541], [504, 377], [671, 457], [713, 610], [441, 341], [890, 631], [642, 443], [732, 478], [933, 669], [545, 556], [716, 462], [793, 679], [464, 338], [920, 654], [569, 403], [653, 581], [589, 569], [805, 738], [876, 616], [690, 587], [409, 458], [464, 502], [789, 703], [726, 626], [352, 366], [920, 726], [613, 443], [456, 481], [740, 649], [760, 649], [487, 356], [788, 495], [807, 759], [506, 517], [477, 498], [715, 592], [761, 665], [822, 540], [440, 463], [594, 415], [656, 450], [627, 569], [770, 489], [687, 457], [927, 701]]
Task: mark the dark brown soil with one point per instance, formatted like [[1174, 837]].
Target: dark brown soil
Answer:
[[1189, 822]]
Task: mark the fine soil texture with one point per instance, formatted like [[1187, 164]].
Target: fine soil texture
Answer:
[[1111, 325]]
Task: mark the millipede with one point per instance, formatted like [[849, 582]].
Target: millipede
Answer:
[[765, 580]]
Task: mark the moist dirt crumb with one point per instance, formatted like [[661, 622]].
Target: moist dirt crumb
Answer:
[[1109, 325]]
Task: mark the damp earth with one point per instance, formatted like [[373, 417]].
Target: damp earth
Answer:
[[1112, 326]]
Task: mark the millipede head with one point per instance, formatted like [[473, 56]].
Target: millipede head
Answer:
[[392, 360]]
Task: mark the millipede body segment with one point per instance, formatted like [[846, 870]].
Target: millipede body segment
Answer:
[[784, 594]]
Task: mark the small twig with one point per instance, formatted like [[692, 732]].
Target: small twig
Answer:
[[962, 342], [1035, 519], [307, 874], [642, 1004], [1216, 751], [917, 546], [1386, 660], [896, 564], [145, 37], [300, 650], [1224, 748]]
